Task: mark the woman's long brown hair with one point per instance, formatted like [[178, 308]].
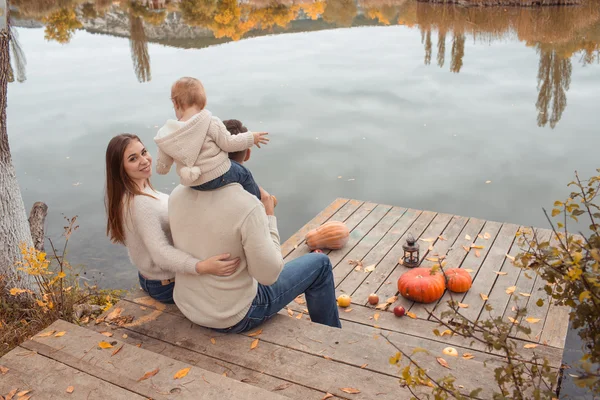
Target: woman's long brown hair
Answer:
[[120, 189]]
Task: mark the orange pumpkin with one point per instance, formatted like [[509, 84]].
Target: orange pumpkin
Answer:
[[459, 280], [331, 235], [422, 285]]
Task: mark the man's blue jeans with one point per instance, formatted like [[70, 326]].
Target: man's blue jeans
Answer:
[[310, 274]]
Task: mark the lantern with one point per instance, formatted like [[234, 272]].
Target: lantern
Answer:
[[411, 252]]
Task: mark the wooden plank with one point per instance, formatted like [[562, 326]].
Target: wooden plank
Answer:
[[459, 258], [271, 359], [396, 236], [486, 276], [373, 258], [341, 215], [323, 216], [416, 229], [366, 243], [498, 299], [221, 367], [556, 326], [49, 379], [79, 349], [358, 233], [422, 328]]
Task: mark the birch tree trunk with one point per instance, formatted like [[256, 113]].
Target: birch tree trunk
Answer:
[[14, 228]]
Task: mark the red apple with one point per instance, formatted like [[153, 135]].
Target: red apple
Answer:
[[373, 299], [399, 311]]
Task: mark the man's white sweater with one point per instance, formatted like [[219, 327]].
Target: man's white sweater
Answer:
[[225, 220]]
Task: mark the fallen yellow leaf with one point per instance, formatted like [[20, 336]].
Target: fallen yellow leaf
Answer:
[[530, 346], [532, 320], [428, 240], [370, 268], [463, 305], [442, 362], [486, 236], [3, 370], [70, 389], [467, 356], [511, 258], [376, 316], [364, 366], [125, 336], [514, 321], [525, 294], [477, 253], [430, 248], [213, 341], [148, 374], [104, 345], [483, 296], [412, 315], [468, 237], [114, 314], [46, 334], [107, 334], [23, 393], [300, 300], [327, 396], [181, 373], [432, 259], [10, 394], [469, 270], [59, 334], [290, 312], [442, 238], [467, 249], [392, 299], [446, 332], [327, 358], [299, 316], [511, 290], [475, 246], [254, 344], [401, 261], [350, 390], [348, 309], [255, 333], [500, 273]]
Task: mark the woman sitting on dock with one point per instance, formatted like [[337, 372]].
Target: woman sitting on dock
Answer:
[[138, 218], [231, 219]]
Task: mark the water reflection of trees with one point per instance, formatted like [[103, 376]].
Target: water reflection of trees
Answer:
[[556, 33]]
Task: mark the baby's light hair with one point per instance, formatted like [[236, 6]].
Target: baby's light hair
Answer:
[[187, 92]]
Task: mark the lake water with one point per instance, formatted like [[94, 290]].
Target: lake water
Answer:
[[477, 112]]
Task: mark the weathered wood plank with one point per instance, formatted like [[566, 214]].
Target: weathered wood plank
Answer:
[[291, 365], [366, 243], [459, 258], [556, 326], [323, 216], [215, 365], [416, 229], [385, 266], [79, 349], [358, 233], [49, 379], [342, 215], [486, 276], [421, 328], [354, 280]]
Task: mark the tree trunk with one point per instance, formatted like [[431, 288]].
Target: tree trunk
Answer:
[[37, 219], [14, 228]]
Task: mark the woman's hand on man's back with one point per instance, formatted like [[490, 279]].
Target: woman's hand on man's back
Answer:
[[219, 265]]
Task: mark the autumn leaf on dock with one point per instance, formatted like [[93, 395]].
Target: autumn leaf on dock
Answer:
[[3, 370], [442, 362], [511, 290], [300, 300], [350, 390], [105, 345], [114, 353], [532, 320], [255, 333], [327, 396], [60, 334], [70, 389], [376, 316], [530, 346], [181, 373], [412, 315], [370, 268], [213, 340], [46, 334], [254, 344], [483, 296], [148, 374], [290, 312]]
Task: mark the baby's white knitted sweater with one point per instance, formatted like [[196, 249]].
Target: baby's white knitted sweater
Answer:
[[199, 147]]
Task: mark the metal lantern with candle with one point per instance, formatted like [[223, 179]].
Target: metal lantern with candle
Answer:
[[411, 252]]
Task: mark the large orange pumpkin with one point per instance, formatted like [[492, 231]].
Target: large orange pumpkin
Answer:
[[459, 280], [331, 235], [422, 285]]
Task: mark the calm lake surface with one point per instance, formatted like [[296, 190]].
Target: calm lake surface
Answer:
[[477, 112]]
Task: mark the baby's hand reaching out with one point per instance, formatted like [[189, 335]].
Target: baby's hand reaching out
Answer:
[[260, 138]]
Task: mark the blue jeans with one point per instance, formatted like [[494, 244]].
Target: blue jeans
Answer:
[[310, 274], [158, 290], [236, 174]]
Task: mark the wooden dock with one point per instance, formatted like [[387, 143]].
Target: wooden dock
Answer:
[[294, 358]]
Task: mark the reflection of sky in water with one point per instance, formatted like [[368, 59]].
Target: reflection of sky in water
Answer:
[[358, 103]]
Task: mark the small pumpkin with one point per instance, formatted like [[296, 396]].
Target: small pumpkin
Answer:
[[423, 285], [459, 280], [331, 235]]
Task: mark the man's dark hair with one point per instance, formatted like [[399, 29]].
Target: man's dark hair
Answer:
[[236, 127]]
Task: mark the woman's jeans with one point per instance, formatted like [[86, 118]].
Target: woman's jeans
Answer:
[[158, 290], [310, 274]]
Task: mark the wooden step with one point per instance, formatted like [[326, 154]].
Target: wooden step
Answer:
[[292, 350], [131, 368]]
